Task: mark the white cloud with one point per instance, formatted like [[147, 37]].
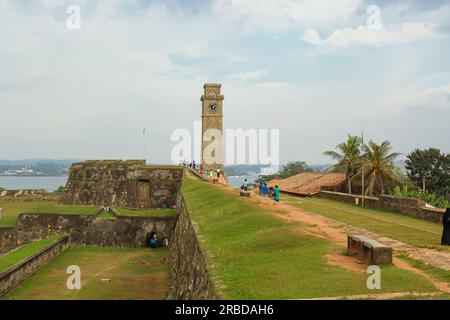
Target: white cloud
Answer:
[[279, 14], [246, 76], [438, 96], [405, 33], [272, 85]]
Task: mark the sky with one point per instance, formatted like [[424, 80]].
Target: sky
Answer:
[[316, 70]]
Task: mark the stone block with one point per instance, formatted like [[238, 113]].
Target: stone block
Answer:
[[369, 251], [245, 194]]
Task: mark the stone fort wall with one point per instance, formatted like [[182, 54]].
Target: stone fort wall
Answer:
[[128, 183], [408, 206], [188, 278], [87, 229]]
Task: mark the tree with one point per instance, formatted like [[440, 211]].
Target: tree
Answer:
[[290, 169], [378, 166], [293, 168], [348, 158], [430, 170], [60, 189]]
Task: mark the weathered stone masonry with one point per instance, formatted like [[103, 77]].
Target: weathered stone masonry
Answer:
[[409, 206], [87, 229], [189, 278], [17, 274], [122, 183]]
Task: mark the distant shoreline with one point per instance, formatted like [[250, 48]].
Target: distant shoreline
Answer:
[[34, 176]]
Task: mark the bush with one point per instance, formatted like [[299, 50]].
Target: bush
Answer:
[[428, 197], [60, 189]]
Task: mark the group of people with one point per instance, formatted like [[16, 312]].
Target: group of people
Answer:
[[200, 168], [187, 164], [269, 192], [264, 190]]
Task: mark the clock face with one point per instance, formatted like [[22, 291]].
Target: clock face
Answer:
[[213, 107]]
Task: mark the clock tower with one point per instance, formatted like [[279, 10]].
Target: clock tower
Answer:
[[212, 127]]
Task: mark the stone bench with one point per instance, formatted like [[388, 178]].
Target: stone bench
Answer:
[[245, 194], [369, 251]]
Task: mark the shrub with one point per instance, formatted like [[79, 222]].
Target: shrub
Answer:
[[428, 197]]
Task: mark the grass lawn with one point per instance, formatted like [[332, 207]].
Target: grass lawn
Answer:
[[147, 213], [11, 209], [11, 259], [397, 226], [106, 215], [258, 256], [134, 274]]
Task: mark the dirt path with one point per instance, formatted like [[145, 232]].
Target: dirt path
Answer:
[[382, 296], [336, 231]]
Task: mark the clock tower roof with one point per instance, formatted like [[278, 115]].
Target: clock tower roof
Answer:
[[212, 85], [212, 92]]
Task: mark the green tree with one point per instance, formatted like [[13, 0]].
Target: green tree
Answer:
[[294, 167], [347, 157], [430, 170], [378, 167], [60, 189], [290, 169]]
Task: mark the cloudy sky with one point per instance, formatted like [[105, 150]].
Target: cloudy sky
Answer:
[[316, 70]]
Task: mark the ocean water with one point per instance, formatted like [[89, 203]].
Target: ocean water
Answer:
[[237, 181], [48, 183], [52, 183]]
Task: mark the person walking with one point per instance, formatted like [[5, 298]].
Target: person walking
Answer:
[[260, 186], [218, 172], [265, 190], [276, 194]]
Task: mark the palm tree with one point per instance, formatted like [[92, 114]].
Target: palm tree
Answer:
[[348, 157], [378, 166]]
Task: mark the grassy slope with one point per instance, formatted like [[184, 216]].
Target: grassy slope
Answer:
[[258, 256], [22, 253], [106, 215], [11, 209], [147, 213], [134, 274], [397, 226]]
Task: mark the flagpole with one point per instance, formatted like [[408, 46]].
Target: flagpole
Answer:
[[143, 149], [362, 168]]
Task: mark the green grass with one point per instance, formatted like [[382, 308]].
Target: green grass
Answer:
[[147, 213], [439, 274], [397, 226], [258, 256], [106, 215], [11, 259], [63, 209], [11, 210], [138, 273]]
